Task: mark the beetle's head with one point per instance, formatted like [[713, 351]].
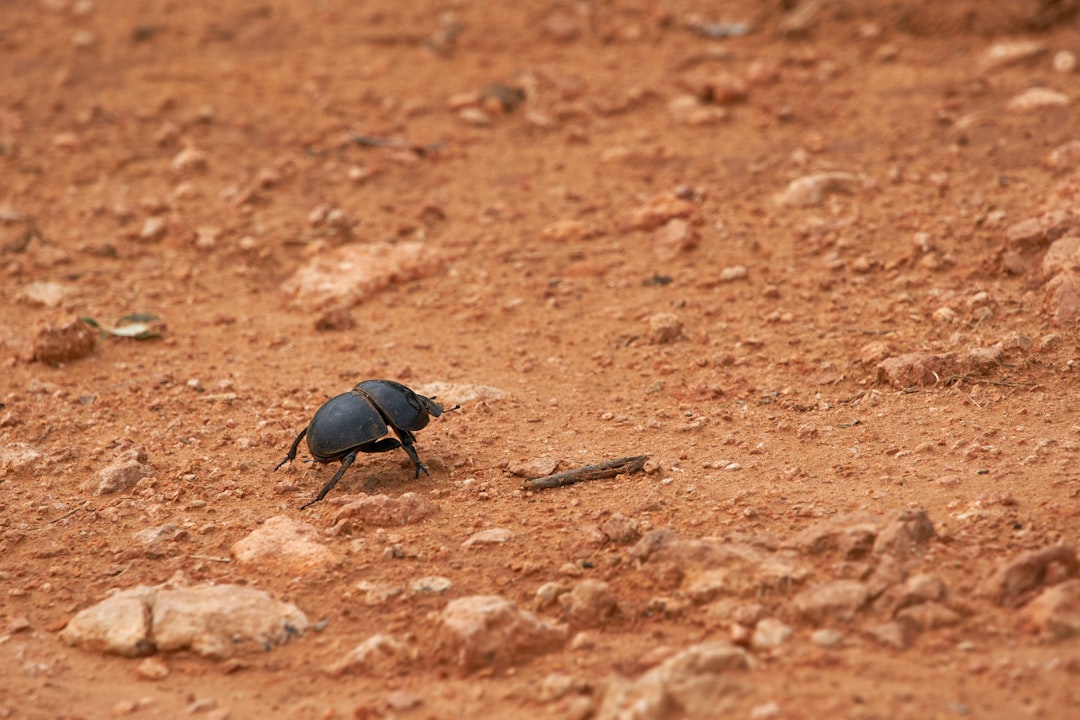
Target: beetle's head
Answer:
[[434, 409]]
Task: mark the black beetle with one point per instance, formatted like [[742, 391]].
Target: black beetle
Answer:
[[356, 421]]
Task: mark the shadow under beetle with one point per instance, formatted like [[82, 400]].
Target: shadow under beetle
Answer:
[[356, 421]]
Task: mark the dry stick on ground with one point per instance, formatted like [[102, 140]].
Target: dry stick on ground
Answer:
[[611, 468]]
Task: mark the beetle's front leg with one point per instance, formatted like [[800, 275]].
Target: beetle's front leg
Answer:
[[292, 451]]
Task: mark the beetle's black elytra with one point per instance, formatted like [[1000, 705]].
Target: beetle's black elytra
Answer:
[[356, 421]]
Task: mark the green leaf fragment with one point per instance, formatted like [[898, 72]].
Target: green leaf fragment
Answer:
[[136, 327], [139, 331]]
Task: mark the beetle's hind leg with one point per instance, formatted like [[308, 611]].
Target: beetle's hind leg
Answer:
[[292, 450], [345, 463], [407, 444]]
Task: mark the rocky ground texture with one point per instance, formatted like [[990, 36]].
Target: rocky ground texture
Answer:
[[819, 261]]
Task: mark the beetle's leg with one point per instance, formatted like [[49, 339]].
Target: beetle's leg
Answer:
[[345, 463], [292, 450], [407, 440]]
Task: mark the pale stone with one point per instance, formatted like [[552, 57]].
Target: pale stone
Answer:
[[491, 536], [119, 625], [590, 603], [450, 394], [835, 601], [1056, 611], [347, 275], [488, 630], [286, 544], [123, 473], [385, 511], [812, 190], [1015, 581], [699, 682], [378, 651], [220, 621], [1037, 99]]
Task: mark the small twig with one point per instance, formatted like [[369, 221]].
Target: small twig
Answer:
[[68, 514], [972, 401], [211, 558], [984, 381], [611, 468]]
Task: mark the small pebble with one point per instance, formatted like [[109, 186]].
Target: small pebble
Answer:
[[735, 272], [827, 637], [152, 668], [1065, 61]]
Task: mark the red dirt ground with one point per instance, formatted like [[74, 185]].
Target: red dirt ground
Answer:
[[230, 127]]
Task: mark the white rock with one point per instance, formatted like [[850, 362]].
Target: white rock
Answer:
[[850, 537], [534, 468], [430, 585], [910, 529], [698, 682], [927, 616], [1064, 61], [1003, 54], [16, 456], [549, 592], [44, 293], [811, 190], [556, 685], [657, 211], [376, 593], [219, 621], [154, 228], [1065, 156], [713, 569], [378, 650], [124, 472], [491, 536], [347, 275], [450, 394], [735, 272], [766, 710], [1062, 300], [833, 601], [1056, 611], [212, 620], [664, 328], [152, 668], [916, 590], [674, 237], [590, 603], [384, 510], [827, 637], [1036, 99], [189, 158], [621, 530], [893, 634], [286, 544], [569, 230], [486, 630], [1063, 255], [119, 625], [769, 633], [1014, 581]]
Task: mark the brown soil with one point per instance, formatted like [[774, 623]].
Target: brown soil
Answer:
[[234, 123]]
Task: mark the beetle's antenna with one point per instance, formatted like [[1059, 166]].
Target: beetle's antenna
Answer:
[[446, 410]]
